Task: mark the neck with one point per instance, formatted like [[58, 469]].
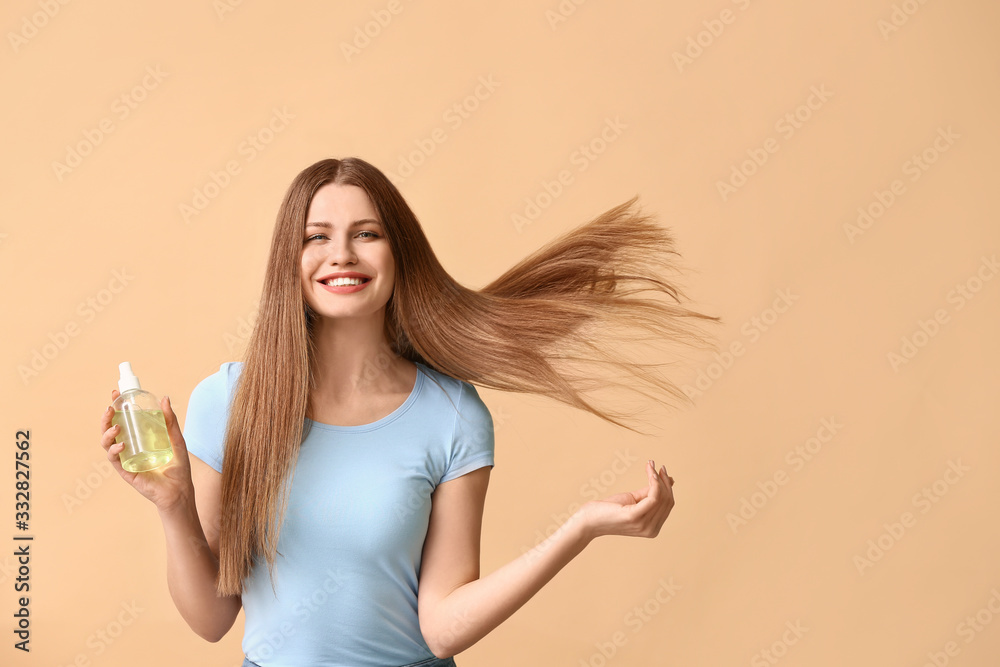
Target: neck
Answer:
[[352, 358]]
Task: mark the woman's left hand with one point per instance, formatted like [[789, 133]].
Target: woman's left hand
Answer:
[[638, 513]]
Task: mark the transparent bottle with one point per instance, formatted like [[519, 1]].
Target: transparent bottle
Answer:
[[143, 428]]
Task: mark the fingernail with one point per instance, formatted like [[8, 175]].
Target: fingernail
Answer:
[[652, 464]]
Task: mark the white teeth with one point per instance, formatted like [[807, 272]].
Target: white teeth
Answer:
[[337, 282]]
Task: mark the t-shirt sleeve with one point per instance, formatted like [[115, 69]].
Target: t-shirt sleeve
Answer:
[[472, 443], [205, 422]]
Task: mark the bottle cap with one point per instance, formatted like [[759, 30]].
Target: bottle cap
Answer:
[[128, 380]]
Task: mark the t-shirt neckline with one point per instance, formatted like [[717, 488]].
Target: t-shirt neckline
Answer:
[[379, 423]]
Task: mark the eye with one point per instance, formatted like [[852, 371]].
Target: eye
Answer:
[[372, 235]]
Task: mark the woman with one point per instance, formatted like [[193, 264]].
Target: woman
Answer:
[[350, 452]]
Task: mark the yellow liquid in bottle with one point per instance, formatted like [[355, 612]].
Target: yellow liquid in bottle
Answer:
[[150, 447]]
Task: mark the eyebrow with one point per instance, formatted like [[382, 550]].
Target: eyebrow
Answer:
[[356, 223]]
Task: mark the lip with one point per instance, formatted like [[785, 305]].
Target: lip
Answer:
[[344, 289]]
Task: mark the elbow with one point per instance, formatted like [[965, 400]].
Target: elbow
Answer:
[[441, 643], [214, 631], [217, 625], [440, 652], [439, 648], [214, 635]]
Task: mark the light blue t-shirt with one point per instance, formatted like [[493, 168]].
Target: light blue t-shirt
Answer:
[[358, 508]]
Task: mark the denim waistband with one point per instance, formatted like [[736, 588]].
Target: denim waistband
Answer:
[[429, 662], [433, 662]]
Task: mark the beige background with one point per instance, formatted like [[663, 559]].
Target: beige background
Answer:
[[175, 296]]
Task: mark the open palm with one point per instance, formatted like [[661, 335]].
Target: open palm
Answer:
[[638, 513]]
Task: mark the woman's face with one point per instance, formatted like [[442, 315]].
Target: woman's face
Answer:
[[343, 234]]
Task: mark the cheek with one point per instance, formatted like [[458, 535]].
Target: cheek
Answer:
[[306, 269], [388, 263], [307, 261]]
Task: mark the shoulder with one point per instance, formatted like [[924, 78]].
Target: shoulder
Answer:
[[211, 398], [207, 414], [445, 383], [463, 397], [219, 384]]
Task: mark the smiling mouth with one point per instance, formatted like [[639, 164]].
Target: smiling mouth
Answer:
[[345, 282]]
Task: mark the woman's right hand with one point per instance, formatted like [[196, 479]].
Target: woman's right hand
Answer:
[[169, 486]]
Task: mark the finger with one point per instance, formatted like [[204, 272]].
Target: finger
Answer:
[[113, 449], [173, 428], [649, 502], [114, 456], [106, 416], [667, 499], [654, 481], [640, 494], [109, 435]]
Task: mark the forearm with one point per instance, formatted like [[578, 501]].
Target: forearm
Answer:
[[191, 572], [472, 611]]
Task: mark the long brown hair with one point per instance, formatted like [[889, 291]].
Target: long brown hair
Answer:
[[524, 332]]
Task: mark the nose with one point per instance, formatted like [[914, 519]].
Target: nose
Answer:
[[341, 252]]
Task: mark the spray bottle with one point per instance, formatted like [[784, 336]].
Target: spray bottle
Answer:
[[143, 428]]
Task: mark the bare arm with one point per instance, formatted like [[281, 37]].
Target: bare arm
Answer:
[[191, 529], [458, 608], [193, 562], [475, 609]]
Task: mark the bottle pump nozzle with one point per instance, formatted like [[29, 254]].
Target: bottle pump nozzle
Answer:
[[128, 380]]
